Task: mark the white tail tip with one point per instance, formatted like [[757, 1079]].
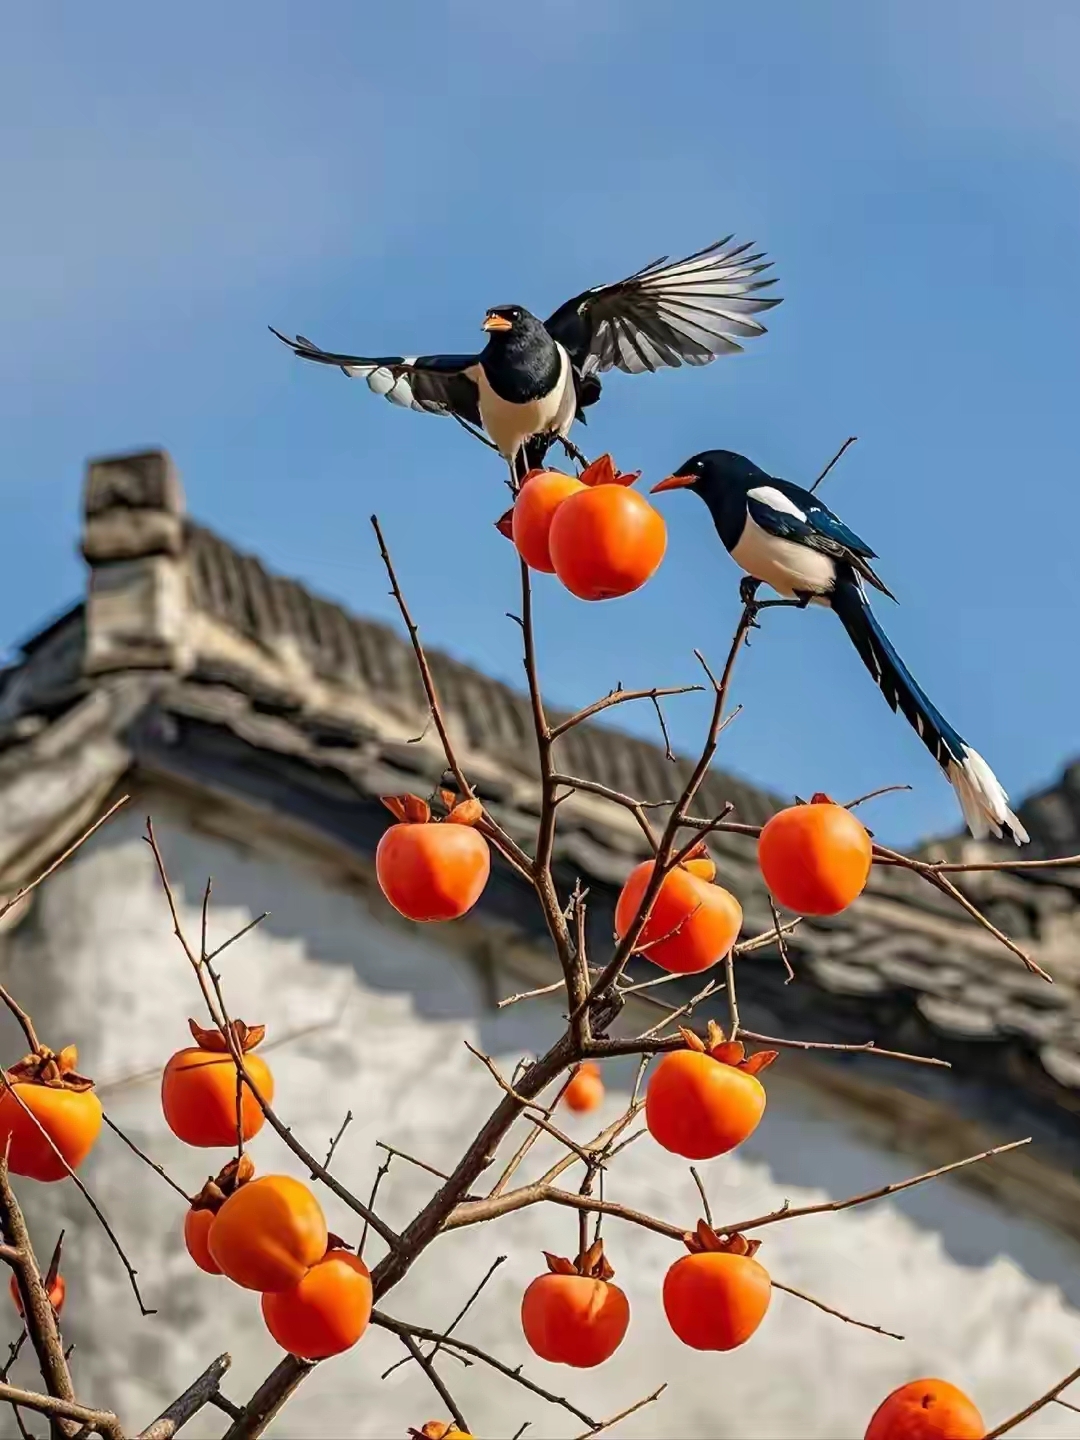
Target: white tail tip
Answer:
[[982, 799]]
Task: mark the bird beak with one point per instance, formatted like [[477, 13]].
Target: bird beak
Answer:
[[496, 322], [673, 482]]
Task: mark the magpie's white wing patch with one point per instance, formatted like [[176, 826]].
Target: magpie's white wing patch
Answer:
[[685, 312], [776, 500], [435, 384]]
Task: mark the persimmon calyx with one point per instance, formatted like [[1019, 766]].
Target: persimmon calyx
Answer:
[[411, 810], [335, 1242], [461, 812], [56, 1069], [246, 1037], [217, 1189], [728, 1052], [407, 809], [592, 1263], [436, 1430], [505, 523], [704, 1238], [820, 798], [603, 472]]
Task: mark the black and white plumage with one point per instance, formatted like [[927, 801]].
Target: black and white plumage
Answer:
[[785, 537], [534, 377]]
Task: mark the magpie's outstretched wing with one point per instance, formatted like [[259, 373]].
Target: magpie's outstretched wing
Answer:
[[438, 384], [792, 513], [682, 312]]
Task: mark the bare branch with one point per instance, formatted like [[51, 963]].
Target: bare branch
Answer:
[[613, 1420], [436, 1379], [620, 697], [61, 859], [839, 1314], [849, 441], [1051, 1394], [159, 1169], [201, 1392], [96, 1422]]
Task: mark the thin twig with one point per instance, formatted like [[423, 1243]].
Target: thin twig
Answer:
[[787, 1212], [412, 1160], [839, 1314], [539, 1118], [873, 795], [337, 1140], [1051, 1394], [620, 697], [849, 441], [60, 860], [669, 754], [781, 943], [436, 1380], [613, 1420], [421, 1332], [499, 1260], [380, 1174], [96, 1422], [704, 1198], [159, 1169]]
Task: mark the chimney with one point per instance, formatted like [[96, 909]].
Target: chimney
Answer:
[[133, 541]]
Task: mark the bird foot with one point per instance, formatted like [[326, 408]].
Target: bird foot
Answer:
[[573, 452], [748, 588]]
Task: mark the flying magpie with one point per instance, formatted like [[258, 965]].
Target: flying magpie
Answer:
[[534, 377], [783, 536]]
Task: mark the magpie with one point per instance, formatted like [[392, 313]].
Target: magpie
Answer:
[[534, 377], [785, 537]]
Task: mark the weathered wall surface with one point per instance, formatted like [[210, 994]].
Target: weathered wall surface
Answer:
[[984, 1299]]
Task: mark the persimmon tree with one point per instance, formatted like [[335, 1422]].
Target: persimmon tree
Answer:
[[701, 1095]]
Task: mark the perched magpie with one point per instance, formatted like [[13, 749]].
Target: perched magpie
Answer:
[[782, 535], [533, 377]]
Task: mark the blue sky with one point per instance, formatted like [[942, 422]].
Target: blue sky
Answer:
[[173, 179]]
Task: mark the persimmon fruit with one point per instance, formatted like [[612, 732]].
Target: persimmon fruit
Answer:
[[717, 1296], [439, 1430], [541, 494], [198, 1088], [57, 1291], [432, 869], [815, 858], [703, 1101], [926, 1410], [268, 1234], [326, 1311], [693, 923], [205, 1206], [64, 1107], [605, 539], [585, 1090], [574, 1315]]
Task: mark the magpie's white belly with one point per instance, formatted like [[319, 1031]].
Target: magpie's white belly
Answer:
[[510, 424], [788, 567]]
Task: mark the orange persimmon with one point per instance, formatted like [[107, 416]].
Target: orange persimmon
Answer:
[[268, 1234], [541, 494], [56, 1292], [205, 1206], [926, 1410], [586, 1089], [693, 923], [605, 540], [717, 1296], [326, 1311], [432, 869], [573, 1315], [706, 1099], [439, 1430], [815, 858], [198, 1087], [63, 1109]]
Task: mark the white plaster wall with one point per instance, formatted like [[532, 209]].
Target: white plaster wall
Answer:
[[972, 1289]]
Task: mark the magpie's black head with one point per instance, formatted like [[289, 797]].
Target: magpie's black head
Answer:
[[715, 475], [510, 320]]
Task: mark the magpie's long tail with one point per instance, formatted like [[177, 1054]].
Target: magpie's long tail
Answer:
[[982, 799]]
